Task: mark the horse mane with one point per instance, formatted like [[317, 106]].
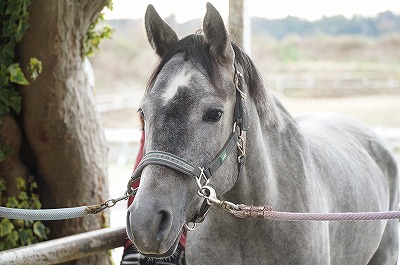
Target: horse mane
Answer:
[[268, 107], [195, 48]]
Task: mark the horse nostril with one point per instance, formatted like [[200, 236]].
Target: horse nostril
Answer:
[[165, 224]]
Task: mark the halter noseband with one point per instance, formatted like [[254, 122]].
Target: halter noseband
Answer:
[[202, 175]]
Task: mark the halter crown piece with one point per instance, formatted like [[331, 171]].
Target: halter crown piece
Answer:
[[202, 175]]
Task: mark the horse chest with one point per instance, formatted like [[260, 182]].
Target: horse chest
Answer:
[[257, 242]]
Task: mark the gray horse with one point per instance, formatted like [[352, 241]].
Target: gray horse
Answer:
[[206, 94]]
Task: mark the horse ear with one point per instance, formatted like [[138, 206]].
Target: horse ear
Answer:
[[160, 35], [216, 34]]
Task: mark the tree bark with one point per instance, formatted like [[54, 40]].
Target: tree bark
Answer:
[[12, 167], [59, 115]]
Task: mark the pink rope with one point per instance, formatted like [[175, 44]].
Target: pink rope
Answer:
[[266, 212]]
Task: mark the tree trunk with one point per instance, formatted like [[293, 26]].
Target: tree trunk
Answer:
[[12, 167], [59, 117]]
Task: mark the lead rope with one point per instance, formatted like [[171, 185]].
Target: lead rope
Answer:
[[61, 213], [267, 213], [238, 210]]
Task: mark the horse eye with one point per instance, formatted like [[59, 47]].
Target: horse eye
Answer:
[[213, 115]]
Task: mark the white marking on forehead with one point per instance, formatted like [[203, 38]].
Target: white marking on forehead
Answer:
[[182, 79]]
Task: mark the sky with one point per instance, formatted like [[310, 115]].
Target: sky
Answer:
[[185, 10]]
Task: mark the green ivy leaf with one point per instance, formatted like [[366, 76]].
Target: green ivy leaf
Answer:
[[35, 67], [33, 186], [23, 196], [40, 230], [13, 238], [25, 235], [22, 27], [12, 8], [109, 4], [97, 31], [4, 76], [18, 223], [6, 227], [14, 100], [16, 75], [21, 184], [7, 53], [35, 202], [12, 202], [24, 204], [9, 99], [28, 223]]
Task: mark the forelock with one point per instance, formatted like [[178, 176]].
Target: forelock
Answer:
[[195, 49]]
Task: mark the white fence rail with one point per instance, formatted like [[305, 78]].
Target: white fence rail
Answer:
[[345, 81]]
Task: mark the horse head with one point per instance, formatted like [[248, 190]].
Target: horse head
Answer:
[[191, 112]]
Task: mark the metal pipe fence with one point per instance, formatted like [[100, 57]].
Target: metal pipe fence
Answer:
[[66, 248]]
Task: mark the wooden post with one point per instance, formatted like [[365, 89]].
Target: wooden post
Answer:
[[240, 23]]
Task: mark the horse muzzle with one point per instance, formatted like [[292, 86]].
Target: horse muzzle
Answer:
[[153, 234]]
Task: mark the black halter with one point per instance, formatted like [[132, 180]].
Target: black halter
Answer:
[[202, 175]]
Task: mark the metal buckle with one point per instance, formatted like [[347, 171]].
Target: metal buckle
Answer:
[[199, 179]]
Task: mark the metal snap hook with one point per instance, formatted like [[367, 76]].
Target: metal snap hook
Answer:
[[190, 228], [208, 193]]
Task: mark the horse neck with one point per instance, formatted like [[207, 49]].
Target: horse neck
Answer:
[[273, 151]]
